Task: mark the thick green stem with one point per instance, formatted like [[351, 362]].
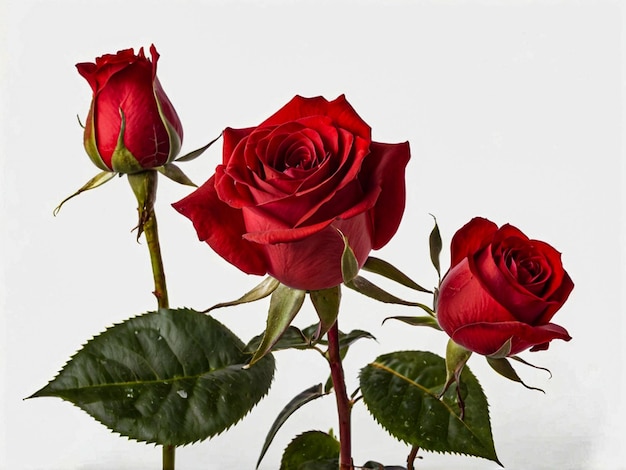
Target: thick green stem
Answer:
[[344, 406]]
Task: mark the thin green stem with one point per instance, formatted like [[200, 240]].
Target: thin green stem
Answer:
[[344, 406], [152, 238], [144, 186]]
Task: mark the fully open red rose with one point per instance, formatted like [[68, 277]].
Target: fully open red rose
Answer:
[[131, 126], [286, 187], [502, 286]]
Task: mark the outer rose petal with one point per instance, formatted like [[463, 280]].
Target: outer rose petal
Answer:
[[383, 169], [471, 238], [315, 262], [222, 227], [469, 314], [487, 338]]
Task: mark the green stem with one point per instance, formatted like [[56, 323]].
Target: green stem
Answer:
[[344, 406], [152, 238], [144, 186]]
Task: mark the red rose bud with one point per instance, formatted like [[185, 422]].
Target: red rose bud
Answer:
[[502, 286], [131, 125], [286, 187]]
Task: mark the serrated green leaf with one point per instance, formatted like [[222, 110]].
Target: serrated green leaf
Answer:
[[176, 174], [196, 153], [417, 321], [285, 304], [312, 450], [93, 183], [434, 241], [503, 367], [170, 377], [294, 405], [385, 269], [401, 392], [326, 303], [265, 288]]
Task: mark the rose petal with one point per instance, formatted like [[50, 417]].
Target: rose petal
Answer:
[[487, 338], [222, 227], [523, 304], [471, 238], [314, 263], [342, 113], [463, 299], [383, 171]]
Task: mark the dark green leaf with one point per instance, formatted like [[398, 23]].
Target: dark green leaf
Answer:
[[170, 377], [503, 367], [401, 392], [347, 339], [312, 450], [296, 403], [434, 240], [285, 304], [196, 153], [292, 338], [385, 269], [417, 321], [265, 288], [326, 303]]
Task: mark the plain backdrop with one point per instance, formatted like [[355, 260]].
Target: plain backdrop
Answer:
[[513, 110]]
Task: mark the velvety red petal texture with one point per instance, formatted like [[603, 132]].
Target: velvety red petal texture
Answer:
[[315, 262], [471, 238], [222, 227], [384, 170], [487, 338], [286, 187], [343, 114], [494, 290], [125, 84]]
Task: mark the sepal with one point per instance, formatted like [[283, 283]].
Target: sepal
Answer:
[[174, 173], [93, 183], [435, 244], [196, 153], [285, 303]]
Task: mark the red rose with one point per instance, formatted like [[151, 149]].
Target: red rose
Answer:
[[502, 286], [285, 187], [131, 126]]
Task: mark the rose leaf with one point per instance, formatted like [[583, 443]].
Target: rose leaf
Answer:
[[296, 403], [401, 391], [312, 450], [170, 377]]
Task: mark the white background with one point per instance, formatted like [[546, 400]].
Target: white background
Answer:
[[513, 110]]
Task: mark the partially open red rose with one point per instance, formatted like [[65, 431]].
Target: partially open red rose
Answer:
[[286, 187], [132, 125], [502, 286]]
